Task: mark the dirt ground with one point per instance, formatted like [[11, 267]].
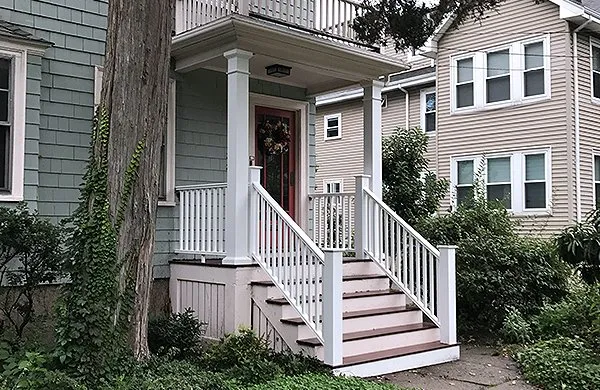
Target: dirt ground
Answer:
[[478, 368]]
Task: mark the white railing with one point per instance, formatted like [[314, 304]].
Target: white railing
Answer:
[[331, 17], [292, 260], [193, 13], [202, 219], [333, 220]]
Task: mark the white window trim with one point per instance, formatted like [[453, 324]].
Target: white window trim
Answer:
[[18, 55], [171, 131], [333, 181], [517, 68], [325, 119], [517, 178], [594, 42], [424, 93]]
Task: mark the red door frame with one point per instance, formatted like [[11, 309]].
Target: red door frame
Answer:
[[291, 155]]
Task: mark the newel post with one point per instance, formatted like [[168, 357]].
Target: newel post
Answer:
[[332, 308], [360, 216], [446, 293], [253, 177]]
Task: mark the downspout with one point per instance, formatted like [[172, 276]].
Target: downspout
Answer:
[[577, 126], [407, 108]]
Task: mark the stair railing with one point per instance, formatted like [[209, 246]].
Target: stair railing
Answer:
[[310, 280], [425, 274]]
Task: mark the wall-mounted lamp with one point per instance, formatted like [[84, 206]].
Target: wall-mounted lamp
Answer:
[[278, 70]]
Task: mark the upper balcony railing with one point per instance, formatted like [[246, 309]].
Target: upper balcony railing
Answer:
[[331, 18]]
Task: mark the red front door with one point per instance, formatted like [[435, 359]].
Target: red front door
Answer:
[[276, 153]]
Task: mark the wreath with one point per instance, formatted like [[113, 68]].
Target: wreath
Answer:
[[275, 138]]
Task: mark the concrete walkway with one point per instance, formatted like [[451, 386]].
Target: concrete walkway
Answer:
[[477, 369]]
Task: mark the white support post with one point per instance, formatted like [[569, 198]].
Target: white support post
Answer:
[[372, 137], [446, 293], [360, 216], [332, 308], [238, 122], [253, 177]]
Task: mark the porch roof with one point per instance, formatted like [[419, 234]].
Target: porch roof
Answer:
[[318, 64]]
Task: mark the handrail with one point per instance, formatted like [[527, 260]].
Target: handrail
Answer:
[[408, 259], [200, 186], [291, 259]]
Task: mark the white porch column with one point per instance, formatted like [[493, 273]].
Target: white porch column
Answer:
[[446, 293], [238, 122], [372, 137]]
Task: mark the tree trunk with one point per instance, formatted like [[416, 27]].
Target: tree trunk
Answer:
[[135, 93]]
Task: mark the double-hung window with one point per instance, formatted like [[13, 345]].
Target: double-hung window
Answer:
[[428, 110], [6, 122], [597, 180], [465, 178], [499, 182], [519, 180], [465, 83], [534, 73], [333, 126], [498, 76], [596, 71], [332, 186]]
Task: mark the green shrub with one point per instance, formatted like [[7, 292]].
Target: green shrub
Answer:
[[409, 187], [516, 329], [561, 363], [177, 335], [579, 245], [577, 315], [321, 381], [497, 270]]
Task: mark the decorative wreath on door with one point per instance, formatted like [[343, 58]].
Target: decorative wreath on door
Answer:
[[275, 138]]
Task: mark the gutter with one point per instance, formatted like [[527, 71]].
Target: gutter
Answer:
[[575, 39], [406, 110]]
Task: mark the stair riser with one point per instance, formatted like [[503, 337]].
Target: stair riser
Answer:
[[379, 343], [366, 285], [361, 268], [382, 321], [374, 302]]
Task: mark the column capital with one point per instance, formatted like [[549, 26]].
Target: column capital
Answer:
[[238, 53], [372, 84], [238, 61]]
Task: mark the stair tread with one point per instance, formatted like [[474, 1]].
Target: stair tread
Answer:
[[346, 260], [360, 313], [358, 294], [365, 334], [268, 283], [394, 352]]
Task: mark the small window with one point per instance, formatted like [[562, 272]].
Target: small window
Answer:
[[596, 71], [465, 176], [597, 180], [333, 126], [499, 180], [333, 186], [5, 122], [533, 75], [464, 83], [498, 76], [535, 181], [428, 110]]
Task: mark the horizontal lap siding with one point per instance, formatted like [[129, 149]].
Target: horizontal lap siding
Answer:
[[589, 124], [522, 127]]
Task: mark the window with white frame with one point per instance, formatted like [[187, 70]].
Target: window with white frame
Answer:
[[166, 189], [332, 186], [428, 110], [465, 85], [499, 184], [596, 71], [333, 126], [597, 180], [465, 180], [520, 180], [497, 83], [514, 73], [13, 81]]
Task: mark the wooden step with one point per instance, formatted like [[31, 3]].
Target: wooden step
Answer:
[[359, 294], [394, 352], [367, 334], [359, 314]]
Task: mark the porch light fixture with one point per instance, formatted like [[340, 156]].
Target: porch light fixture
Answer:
[[278, 70]]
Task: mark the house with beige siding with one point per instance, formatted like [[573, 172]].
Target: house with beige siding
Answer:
[[517, 108]]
